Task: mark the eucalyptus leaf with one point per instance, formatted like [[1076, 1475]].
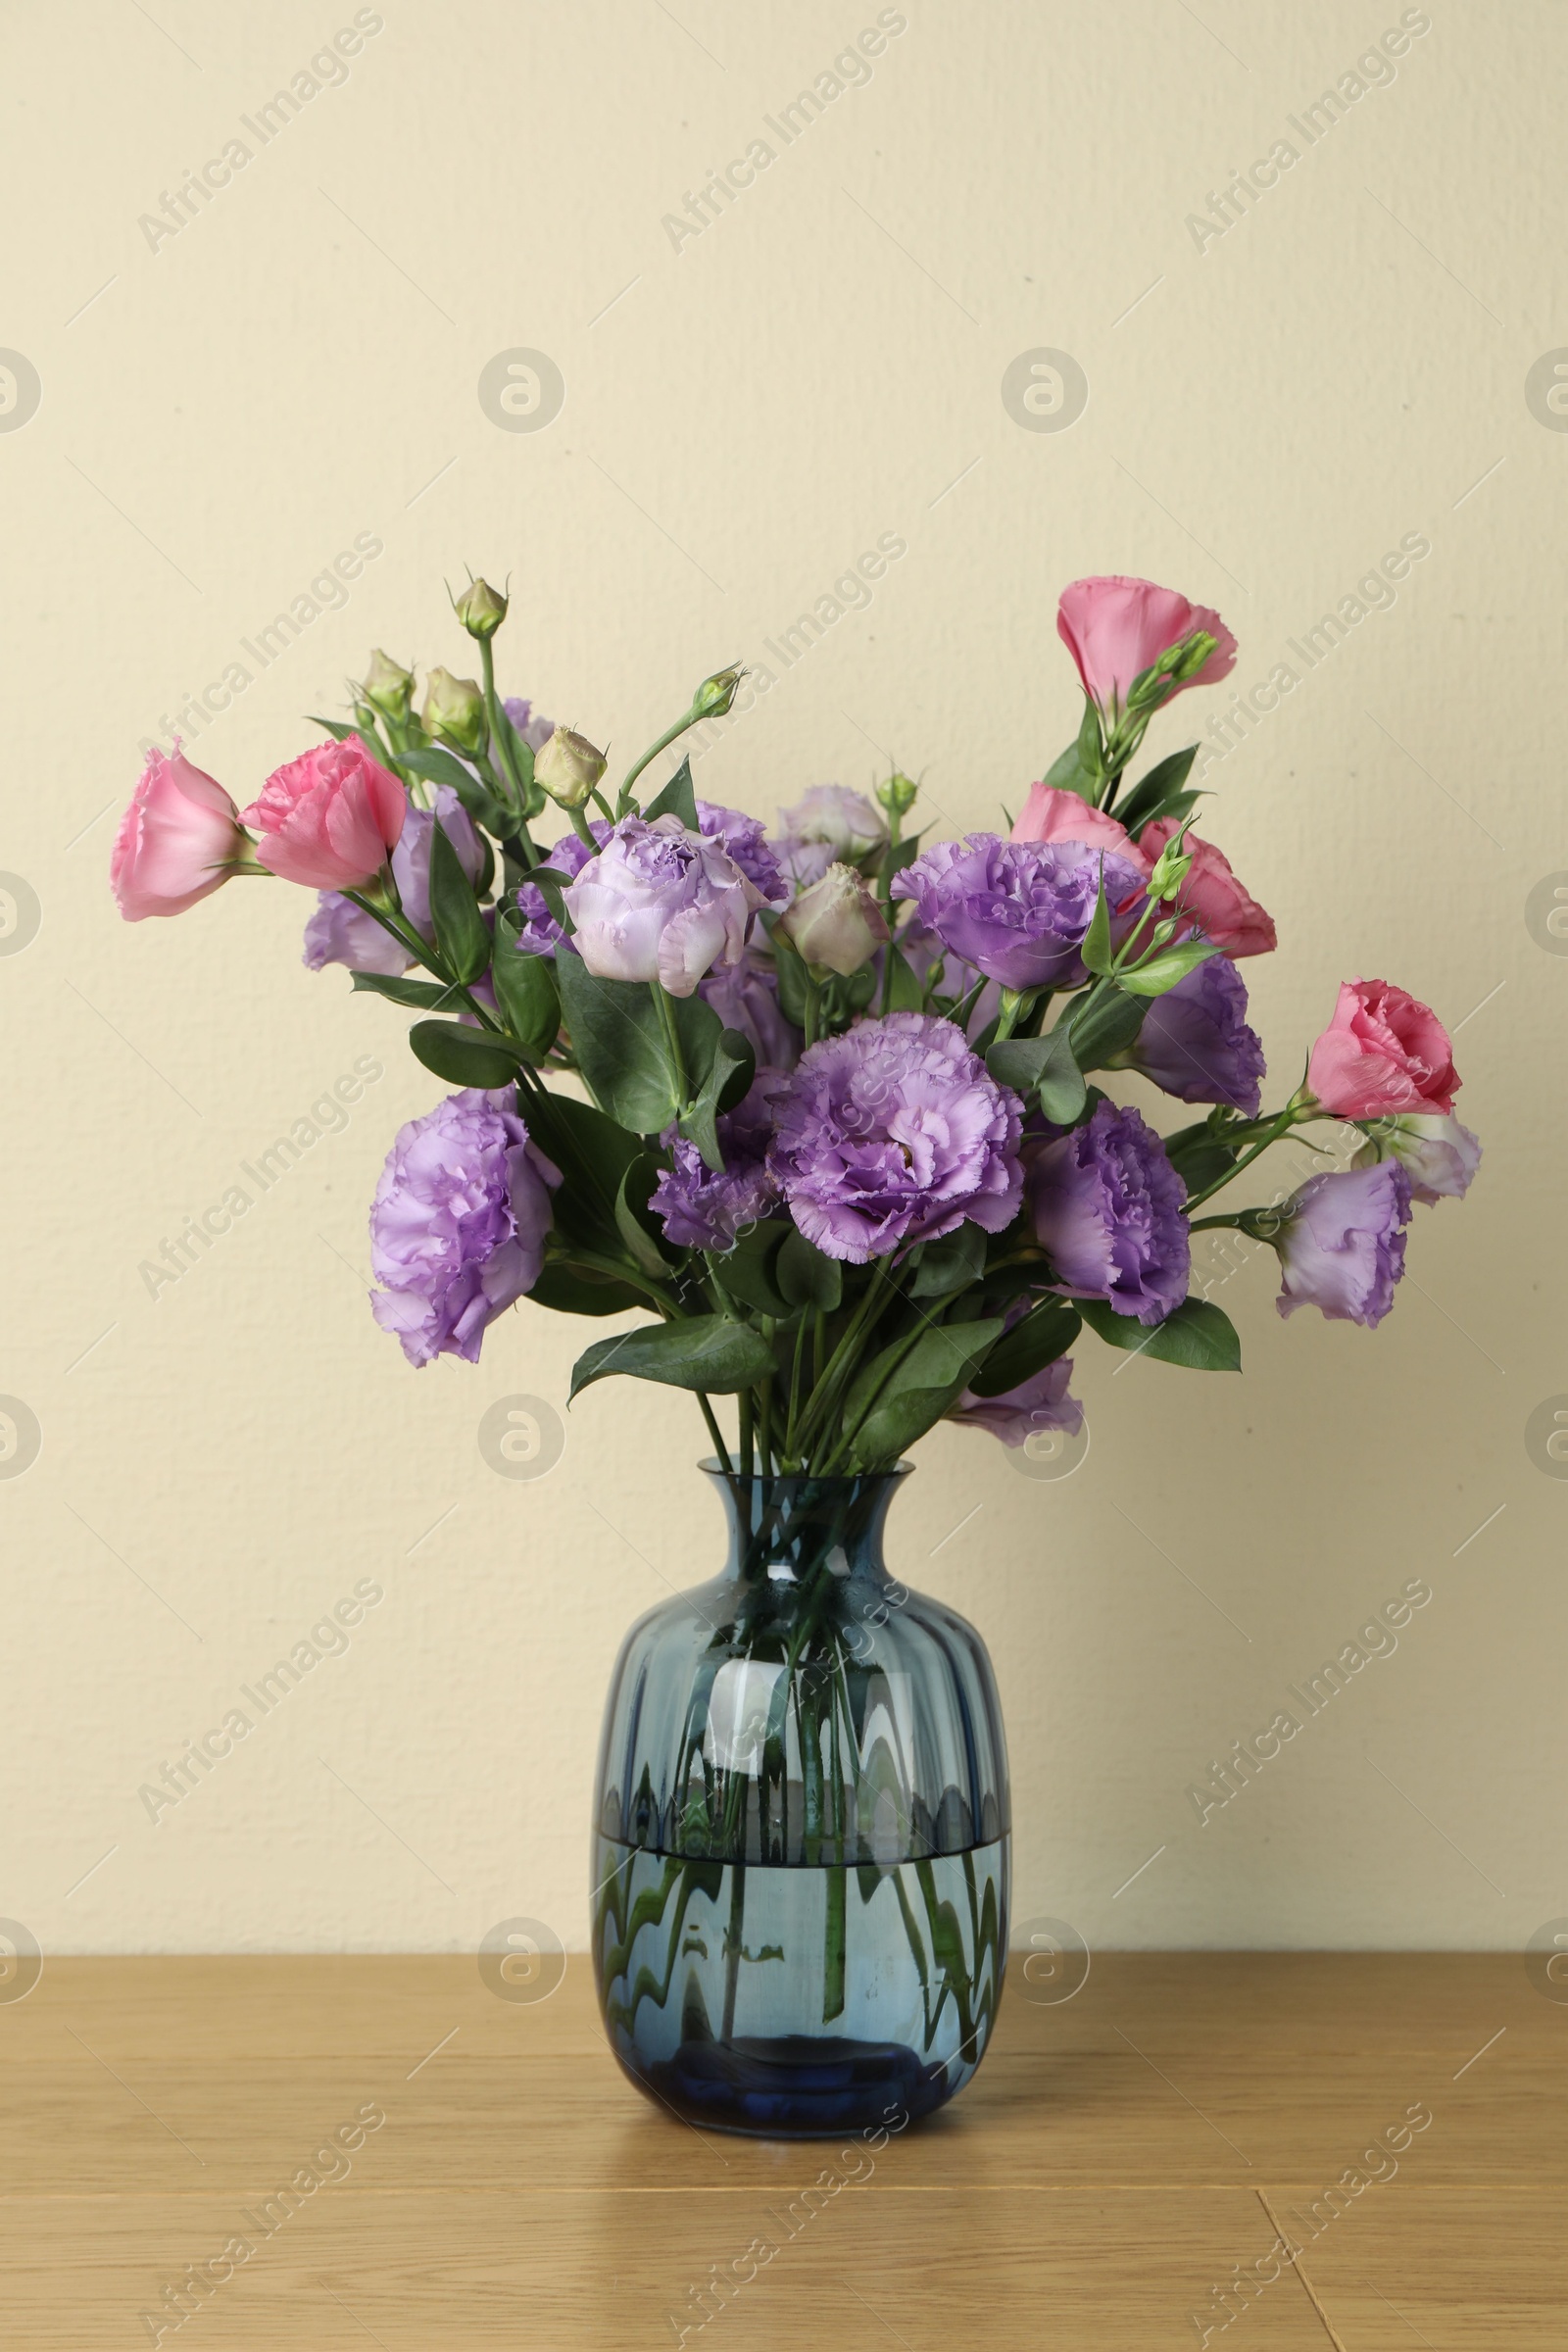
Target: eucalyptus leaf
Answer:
[[1197, 1335], [706, 1352]]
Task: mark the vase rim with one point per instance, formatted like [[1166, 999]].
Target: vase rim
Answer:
[[712, 1468]]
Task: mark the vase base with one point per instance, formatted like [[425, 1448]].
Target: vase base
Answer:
[[793, 2086]]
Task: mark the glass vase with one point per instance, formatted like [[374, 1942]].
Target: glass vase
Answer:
[[801, 1872]]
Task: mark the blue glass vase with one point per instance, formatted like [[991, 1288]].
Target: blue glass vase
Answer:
[[800, 1887]]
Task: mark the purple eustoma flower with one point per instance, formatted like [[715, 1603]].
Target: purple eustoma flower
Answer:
[[745, 996], [535, 732], [705, 1209], [1040, 1402], [458, 1225], [658, 902], [892, 1134], [1438, 1154], [541, 934], [339, 932], [1018, 911], [745, 839], [1341, 1246], [830, 824], [1195, 1042], [1107, 1209]]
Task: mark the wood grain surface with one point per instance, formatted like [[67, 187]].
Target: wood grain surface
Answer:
[[1279, 2149]]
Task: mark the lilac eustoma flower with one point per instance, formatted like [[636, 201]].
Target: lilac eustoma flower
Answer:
[[745, 996], [1040, 1402], [1438, 1154], [458, 1225], [658, 902], [339, 932], [541, 934], [893, 1133], [1195, 1042], [535, 732], [746, 840], [829, 824], [1341, 1246], [705, 1209], [1018, 911], [1107, 1209]]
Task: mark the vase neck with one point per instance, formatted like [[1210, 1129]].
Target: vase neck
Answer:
[[789, 1529]]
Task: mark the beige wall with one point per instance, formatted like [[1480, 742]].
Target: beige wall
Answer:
[[1267, 415]]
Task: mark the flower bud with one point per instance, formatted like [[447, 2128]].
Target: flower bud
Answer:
[[453, 711], [897, 795], [836, 925], [567, 767], [389, 686], [480, 608], [714, 695]]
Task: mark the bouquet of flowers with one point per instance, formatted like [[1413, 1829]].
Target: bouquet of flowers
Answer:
[[822, 1107]]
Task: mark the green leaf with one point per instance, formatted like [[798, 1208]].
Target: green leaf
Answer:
[[1162, 971], [631, 1208], [790, 973], [951, 1264], [464, 1056], [593, 1155], [459, 928], [699, 1028], [1068, 774], [583, 1291], [906, 994], [1096, 949], [439, 994], [1197, 1333], [1047, 1331], [898, 855], [676, 800], [704, 1352], [432, 765], [748, 1270], [806, 1275], [621, 1046], [1045, 1063], [729, 1074], [526, 993], [913, 1387], [1104, 1024], [1155, 795]]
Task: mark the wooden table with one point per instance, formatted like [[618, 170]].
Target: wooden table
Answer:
[[1175, 2130]]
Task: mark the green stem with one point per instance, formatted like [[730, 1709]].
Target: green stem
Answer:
[[823, 1395], [422, 952], [669, 735], [1276, 1128], [720, 1447], [667, 1014]]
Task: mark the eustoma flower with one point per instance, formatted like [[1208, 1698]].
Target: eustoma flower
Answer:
[[1038, 1403], [836, 925], [329, 819], [339, 932], [705, 1209], [746, 840], [829, 823], [1437, 1154], [895, 1133], [541, 934], [1341, 1246], [1051, 813], [1115, 628], [1018, 912], [659, 903], [1107, 1206], [1382, 1054], [177, 840], [1195, 1042], [458, 1225], [1214, 902], [745, 996]]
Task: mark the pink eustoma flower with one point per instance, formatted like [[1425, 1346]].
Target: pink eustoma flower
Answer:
[[1051, 813], [1116, 629], [330, 818], [1384, 1053], [1220, 906], [176, 842]]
